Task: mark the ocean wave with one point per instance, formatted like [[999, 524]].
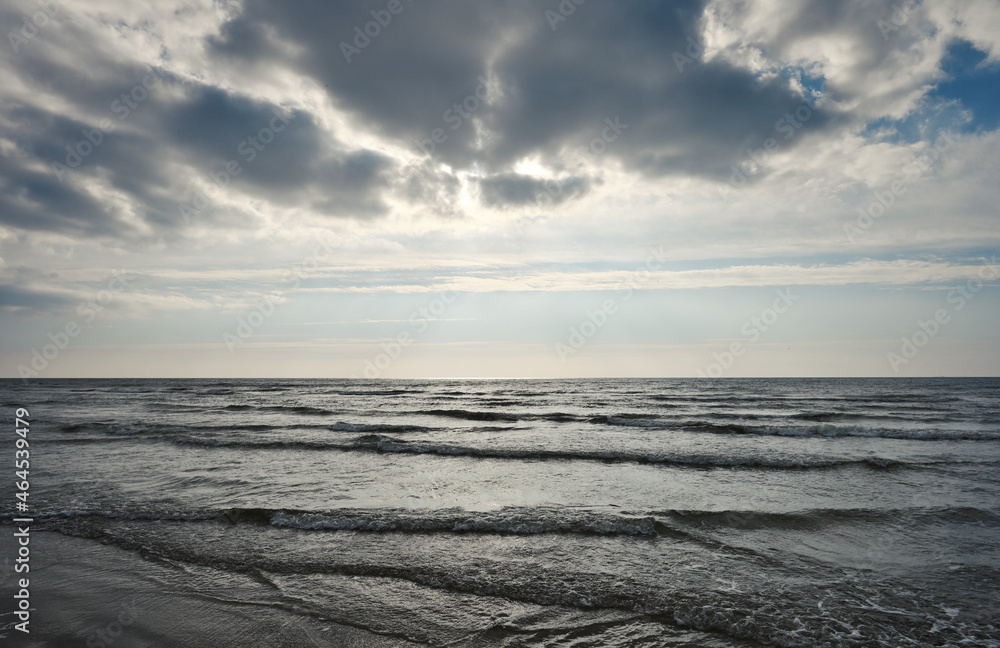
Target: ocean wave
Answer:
[[823, 426], [77, 427], [382, 443], [557, 417], [249, 444], [291, 409], [814, 518], [77, 440], [504, 521], [341, 426], [112, 429], [377, 392], [536, 520], [470, 415], [387, 444], [184, 434], [830, 430], [742, 597], [175, 407], [508, 521], [120, 431], [826, 417], [377, 438], [629, 420], [823, 417], [165, 431]]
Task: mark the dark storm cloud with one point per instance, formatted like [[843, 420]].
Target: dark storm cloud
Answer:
[[353, 184], [71, 152], [621, 61], [147, 134], [426, 58], [422, 184], [36, 200], [202, 132], [283, 156], [516, 190], [553, 87], [491, 83]]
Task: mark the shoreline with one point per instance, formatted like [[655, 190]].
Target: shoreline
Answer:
[[84, 593]]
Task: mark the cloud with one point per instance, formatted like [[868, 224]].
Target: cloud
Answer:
[[98, 145], [855, 273], [18, 298], [625, 121], [502, 92], [516, 190], [501, 85]]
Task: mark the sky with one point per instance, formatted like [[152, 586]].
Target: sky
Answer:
[[419, 188]]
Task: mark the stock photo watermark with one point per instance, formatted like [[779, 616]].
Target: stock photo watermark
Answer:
[[552, 188], [566, 8], [104, 635], [264, 308], [30, 27], [93, 137], [884, 199], [22, 564], [756, 159], [611, 132], [455, 116], [927, 330], [695, 48], [419, 320], [899, 17], [596, 319], [752, 330], [60, 340], [692, 53], [249, 148]]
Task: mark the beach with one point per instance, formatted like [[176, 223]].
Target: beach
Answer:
[[90, 594]]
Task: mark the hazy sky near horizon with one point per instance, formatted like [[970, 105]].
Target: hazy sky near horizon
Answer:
[[410, 188]]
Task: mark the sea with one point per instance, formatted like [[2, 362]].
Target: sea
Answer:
[[592, 512]]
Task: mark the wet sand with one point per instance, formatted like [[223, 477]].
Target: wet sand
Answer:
[[87, 594]]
